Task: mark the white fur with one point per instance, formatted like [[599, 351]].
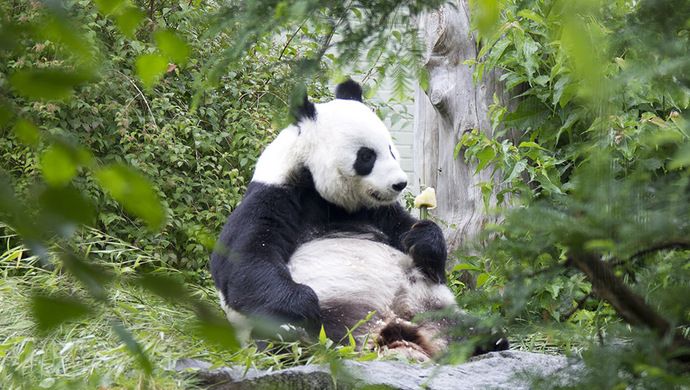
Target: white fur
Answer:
[[361, 270], [243, 328], [328, 146]]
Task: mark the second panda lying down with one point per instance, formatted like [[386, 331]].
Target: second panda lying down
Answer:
[[320, 239]]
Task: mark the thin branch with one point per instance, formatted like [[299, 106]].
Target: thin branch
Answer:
[[578, 306], [661, 247], [146, 102], [630, 306]]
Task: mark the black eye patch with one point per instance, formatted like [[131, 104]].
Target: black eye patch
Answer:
[[365, 161]]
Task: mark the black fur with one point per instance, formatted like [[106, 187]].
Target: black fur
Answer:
[[349, 90], [364, 164], [427, 246], [249, 265], [304, 110]]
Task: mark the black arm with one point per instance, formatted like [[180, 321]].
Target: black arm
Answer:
[[421, 239], [249, 264]]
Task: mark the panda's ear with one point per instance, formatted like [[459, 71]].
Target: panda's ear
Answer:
[[303, 109], [349, 90]]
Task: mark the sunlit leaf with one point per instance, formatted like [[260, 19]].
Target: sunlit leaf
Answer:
[[26, 132], [172, 46], [482, 279], [466, 266], [134, 192], [150, 68], [322, 336], [51, 311], [48, 84]]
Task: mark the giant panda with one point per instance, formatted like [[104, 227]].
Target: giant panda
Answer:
[[320, 239]]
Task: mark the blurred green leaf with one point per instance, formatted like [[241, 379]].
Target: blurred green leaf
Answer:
[[58, 165], [165, 286], [26, 132], [133, 346], [67, 203], [134, 192], [217, 330], [485, 15], [108, 7], [48, 84], [60, 29], [92, 276], [150, 68], [51, 311], [172, 46], [128, 20]]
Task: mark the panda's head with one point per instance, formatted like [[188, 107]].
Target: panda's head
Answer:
[[349, 151]]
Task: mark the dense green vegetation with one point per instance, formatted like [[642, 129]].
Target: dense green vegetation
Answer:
[[130, 130]]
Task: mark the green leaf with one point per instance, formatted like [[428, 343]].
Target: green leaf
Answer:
[[485, 16], [164, 286], [150, 68], [482, 279], [517, 170], [218, 331], [322, 336], [134, 192], [133, 346], [485, 156], [58, 165], [530, 144], [26, 132], [108, 7], [681, 159], [172, 46], [466, 267], [91, 275], [66, 203], [51, 311], [47, 84], [128, 20]]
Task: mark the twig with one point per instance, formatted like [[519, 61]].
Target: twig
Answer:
[[660, 247], [146, 102], [578, 306]]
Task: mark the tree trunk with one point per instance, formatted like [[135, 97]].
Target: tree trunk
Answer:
[[452, 105]]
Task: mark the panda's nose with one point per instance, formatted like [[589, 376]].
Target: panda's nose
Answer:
[[400, 186]]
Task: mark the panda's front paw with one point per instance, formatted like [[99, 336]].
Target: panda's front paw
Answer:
[[425, 243]]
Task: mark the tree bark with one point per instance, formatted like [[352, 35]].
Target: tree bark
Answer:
[[452, 105]]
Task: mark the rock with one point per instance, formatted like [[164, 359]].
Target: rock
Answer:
[[495, 370]]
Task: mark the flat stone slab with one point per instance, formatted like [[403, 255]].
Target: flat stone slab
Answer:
[[495, 370]]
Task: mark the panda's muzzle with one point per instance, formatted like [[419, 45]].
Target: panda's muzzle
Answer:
[[380, 197]]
